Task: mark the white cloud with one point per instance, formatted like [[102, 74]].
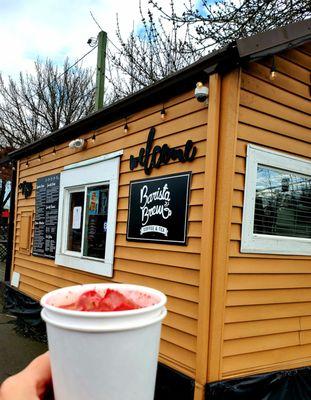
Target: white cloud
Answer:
[[57, 29]]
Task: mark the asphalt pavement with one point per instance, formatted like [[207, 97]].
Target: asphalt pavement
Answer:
[[16, 351]]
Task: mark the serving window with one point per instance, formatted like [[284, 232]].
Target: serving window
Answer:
[[277, 203], [87, 217]]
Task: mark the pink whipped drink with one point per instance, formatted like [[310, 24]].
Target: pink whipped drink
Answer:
[[110, 300]]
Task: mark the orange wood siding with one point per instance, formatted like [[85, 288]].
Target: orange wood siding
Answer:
[[169, 268], [268, 298]]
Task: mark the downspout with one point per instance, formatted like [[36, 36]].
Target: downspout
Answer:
[[7, 275]]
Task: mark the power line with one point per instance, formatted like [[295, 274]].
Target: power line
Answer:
[[66, 70], [88, 93], [95, 20], [114, 45], [73, 65]]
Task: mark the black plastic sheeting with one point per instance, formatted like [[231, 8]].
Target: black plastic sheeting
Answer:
[[294, 384], [27, 311], [171, 384], [16, 303]]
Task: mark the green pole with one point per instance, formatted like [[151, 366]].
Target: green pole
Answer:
[[100, 70]]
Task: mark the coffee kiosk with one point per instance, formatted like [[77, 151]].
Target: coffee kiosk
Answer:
[[208, 201]]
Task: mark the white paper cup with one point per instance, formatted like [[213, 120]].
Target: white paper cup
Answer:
[[103, 355]]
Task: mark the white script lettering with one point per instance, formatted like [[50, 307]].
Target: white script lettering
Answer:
[[159, 209]]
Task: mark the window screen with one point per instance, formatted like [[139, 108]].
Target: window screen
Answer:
[[283, 203]]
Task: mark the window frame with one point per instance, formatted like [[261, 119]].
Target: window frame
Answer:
[[102, 170], [261, 243]]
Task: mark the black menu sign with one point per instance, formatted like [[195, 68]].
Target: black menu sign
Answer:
[[47, 196], [158, 209]]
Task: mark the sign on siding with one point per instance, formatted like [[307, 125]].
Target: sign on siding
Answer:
[[47, 197], [158, 209]]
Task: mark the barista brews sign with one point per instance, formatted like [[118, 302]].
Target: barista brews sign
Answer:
[[158, 209]]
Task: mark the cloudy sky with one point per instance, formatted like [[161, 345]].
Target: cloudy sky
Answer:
[[56, 29]]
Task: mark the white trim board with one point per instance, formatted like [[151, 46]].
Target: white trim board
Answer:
[[94, 160]]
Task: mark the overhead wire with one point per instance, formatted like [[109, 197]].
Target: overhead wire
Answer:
[[95, 20], [63, 73], [109, 40], [66, 70], [73, 65], [80, 59]]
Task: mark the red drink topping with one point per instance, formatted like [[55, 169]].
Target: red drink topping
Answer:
[[112, 300]]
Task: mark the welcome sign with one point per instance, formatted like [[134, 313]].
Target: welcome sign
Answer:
[[158, 209]]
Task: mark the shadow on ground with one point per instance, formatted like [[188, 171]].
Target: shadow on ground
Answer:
[[16, 351]]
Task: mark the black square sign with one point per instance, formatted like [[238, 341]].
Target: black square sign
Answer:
[[158, 209]]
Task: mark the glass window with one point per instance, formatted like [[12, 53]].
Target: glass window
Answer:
[[277, 203], [283, 203], [96, 221], [75, 221]]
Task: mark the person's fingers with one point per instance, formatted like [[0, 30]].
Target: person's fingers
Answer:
[[40, 367], [29, 384], [39, 371], [17, 388]]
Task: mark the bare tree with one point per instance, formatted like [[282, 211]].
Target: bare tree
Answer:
[[215, 24], [158, 49], [169, 40], [42, 102]]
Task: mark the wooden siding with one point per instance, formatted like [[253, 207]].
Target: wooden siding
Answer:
[[169, 268], [268, 298]]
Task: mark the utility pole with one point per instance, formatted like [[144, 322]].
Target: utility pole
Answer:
[[100, 70]]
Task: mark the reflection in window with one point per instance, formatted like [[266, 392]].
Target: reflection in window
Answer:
[[96, 221], [283, 203], [75, 221]]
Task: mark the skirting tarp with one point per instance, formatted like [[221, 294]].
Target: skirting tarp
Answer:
[[172, 385], [27, 311], [294, 384]]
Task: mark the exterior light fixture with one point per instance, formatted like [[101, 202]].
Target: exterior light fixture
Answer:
[[126, 128], [273, 72], [77, 144], [163, 113]]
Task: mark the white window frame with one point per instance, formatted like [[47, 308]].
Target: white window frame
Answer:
[[269, 244], [76, 178]]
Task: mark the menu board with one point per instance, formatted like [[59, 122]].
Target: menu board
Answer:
[[158, 209], [47, 197]]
